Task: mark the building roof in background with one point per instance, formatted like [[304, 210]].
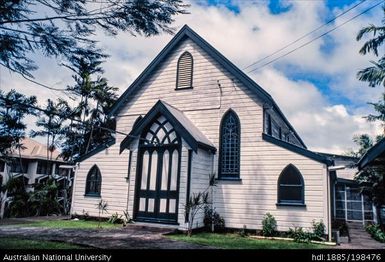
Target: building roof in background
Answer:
[[35, 150], [375, 155]]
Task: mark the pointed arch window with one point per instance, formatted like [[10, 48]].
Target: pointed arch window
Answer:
[[184, 75], [94, 182], [291, 187], [230, 146]]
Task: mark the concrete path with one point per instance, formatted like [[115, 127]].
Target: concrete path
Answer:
[[360, 239], [130, 237]]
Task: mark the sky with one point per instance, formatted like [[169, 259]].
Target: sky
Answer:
[[315, 86]]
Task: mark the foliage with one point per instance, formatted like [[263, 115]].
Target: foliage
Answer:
[[212, 218], [243, 232], [370, 179], [375, 74], [234, 241], [61, 28], [51, 124], [102, 207], [43, 200], [18, 206], [269, 225], [195, 203], [341, 226], [379, 107], [115, 219], [376, 232], [319, 229], [89, 126], [14, 107], [300, 235], [127, 219]]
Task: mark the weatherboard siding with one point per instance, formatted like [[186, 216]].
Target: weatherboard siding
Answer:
[[240, 203]]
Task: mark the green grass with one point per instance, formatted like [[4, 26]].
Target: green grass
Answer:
[[70, 224], [17, 243], [234, 241]]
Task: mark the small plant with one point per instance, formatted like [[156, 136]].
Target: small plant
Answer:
[[269, 225], [115, 219], [102, 207], [213, 220], [318, 230], [376, 232], [299, 235], [194, 204], [243, 232], [85, 215], [127, 219]]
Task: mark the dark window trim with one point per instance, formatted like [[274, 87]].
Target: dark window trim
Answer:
[[291, 204], [229, 179], [93, 195], [235, 175], [188, 186], [87, 189], [302, 185], [191, 71], [129, 165], [269, 127]]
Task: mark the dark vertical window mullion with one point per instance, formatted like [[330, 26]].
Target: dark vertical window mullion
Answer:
[[171, 156]]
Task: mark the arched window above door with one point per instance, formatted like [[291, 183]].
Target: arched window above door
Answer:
[[161, 132]]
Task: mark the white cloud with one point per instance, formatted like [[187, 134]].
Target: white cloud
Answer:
[[245, 37]]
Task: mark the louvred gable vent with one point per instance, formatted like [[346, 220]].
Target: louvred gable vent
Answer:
[[185, 70]]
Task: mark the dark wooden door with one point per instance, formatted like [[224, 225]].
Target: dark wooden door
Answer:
[[157, 183]]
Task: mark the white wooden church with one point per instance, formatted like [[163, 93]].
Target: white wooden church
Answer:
[[192, 113]]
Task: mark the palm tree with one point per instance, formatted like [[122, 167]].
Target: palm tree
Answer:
[[95, 98], [51, 124], [375, 74]]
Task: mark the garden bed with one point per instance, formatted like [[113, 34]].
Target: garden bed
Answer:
[[235, 241]]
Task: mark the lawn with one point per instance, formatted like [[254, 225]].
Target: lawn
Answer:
[[234, 241], [16, 243], [89, 224]]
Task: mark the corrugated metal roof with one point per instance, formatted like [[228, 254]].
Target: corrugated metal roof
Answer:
[[34, 150]]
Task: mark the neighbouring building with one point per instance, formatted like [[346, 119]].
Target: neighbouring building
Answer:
[[31, 165], [193, 113]]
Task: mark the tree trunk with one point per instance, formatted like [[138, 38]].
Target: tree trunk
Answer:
[[3, 199]]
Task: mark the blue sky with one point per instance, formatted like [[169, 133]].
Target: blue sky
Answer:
[[316, 86]]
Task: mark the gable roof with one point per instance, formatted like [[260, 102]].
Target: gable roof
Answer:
[[183, 126], [186, 31], [374, 153]]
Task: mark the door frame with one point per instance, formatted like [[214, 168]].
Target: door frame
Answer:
[[138, 177]]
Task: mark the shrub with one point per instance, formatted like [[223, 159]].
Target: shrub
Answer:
[[318, 230], [127, 219], [269, 225], [376, 232], [299, 235], [212, 217], [243, 232], [115, 219]]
